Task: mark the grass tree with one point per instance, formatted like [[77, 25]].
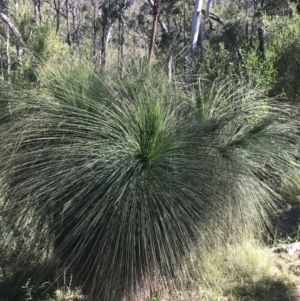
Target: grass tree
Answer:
[[132, 176]]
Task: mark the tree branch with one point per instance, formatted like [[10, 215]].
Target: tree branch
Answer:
[[161, 23], [17, 34]]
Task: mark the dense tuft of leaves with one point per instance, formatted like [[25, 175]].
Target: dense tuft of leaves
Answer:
[[132, 180]]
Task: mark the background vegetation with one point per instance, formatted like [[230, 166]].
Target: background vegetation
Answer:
[[142, 159]]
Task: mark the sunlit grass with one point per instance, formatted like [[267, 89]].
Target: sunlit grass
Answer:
[[244, 271]]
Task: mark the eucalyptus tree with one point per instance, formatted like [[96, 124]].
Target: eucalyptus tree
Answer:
[[37, 9], [194, 34], [10, 27], [111, 11], [5, 18]]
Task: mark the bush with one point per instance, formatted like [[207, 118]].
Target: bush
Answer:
[[283, 48], [43, 48], [134, 179]]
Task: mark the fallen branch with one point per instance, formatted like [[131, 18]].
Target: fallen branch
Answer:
[[74, 297]]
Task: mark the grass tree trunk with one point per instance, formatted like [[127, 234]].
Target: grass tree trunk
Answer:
[[194, 34], [156, 8]]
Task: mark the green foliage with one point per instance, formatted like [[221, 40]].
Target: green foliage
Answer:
[[283, 48], [21, 247], [45, 45], [24, 77], [42, 47], [130, 181], [290, 188], [139, 180], [261, 72], [217, 63], [39, 37], [220, 63], [76, 78]]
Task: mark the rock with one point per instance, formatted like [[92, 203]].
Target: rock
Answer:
[[293, 249], [279, 250]]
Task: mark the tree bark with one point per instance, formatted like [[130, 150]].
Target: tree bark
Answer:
[[110, 14], [37, 10], [57, 9], [194, 34], [261, 46], [94, 4], [68, 24], [106, 27], [165, 31], [156, 9], [8, 55], [161, 23], [1, 60], [121, 45], [203, 33], [12, 27]]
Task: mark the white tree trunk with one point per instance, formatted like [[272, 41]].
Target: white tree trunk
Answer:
[[194, 34], [7, 20]]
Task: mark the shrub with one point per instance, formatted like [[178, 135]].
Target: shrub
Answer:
[[132, 180], [282, 37]]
